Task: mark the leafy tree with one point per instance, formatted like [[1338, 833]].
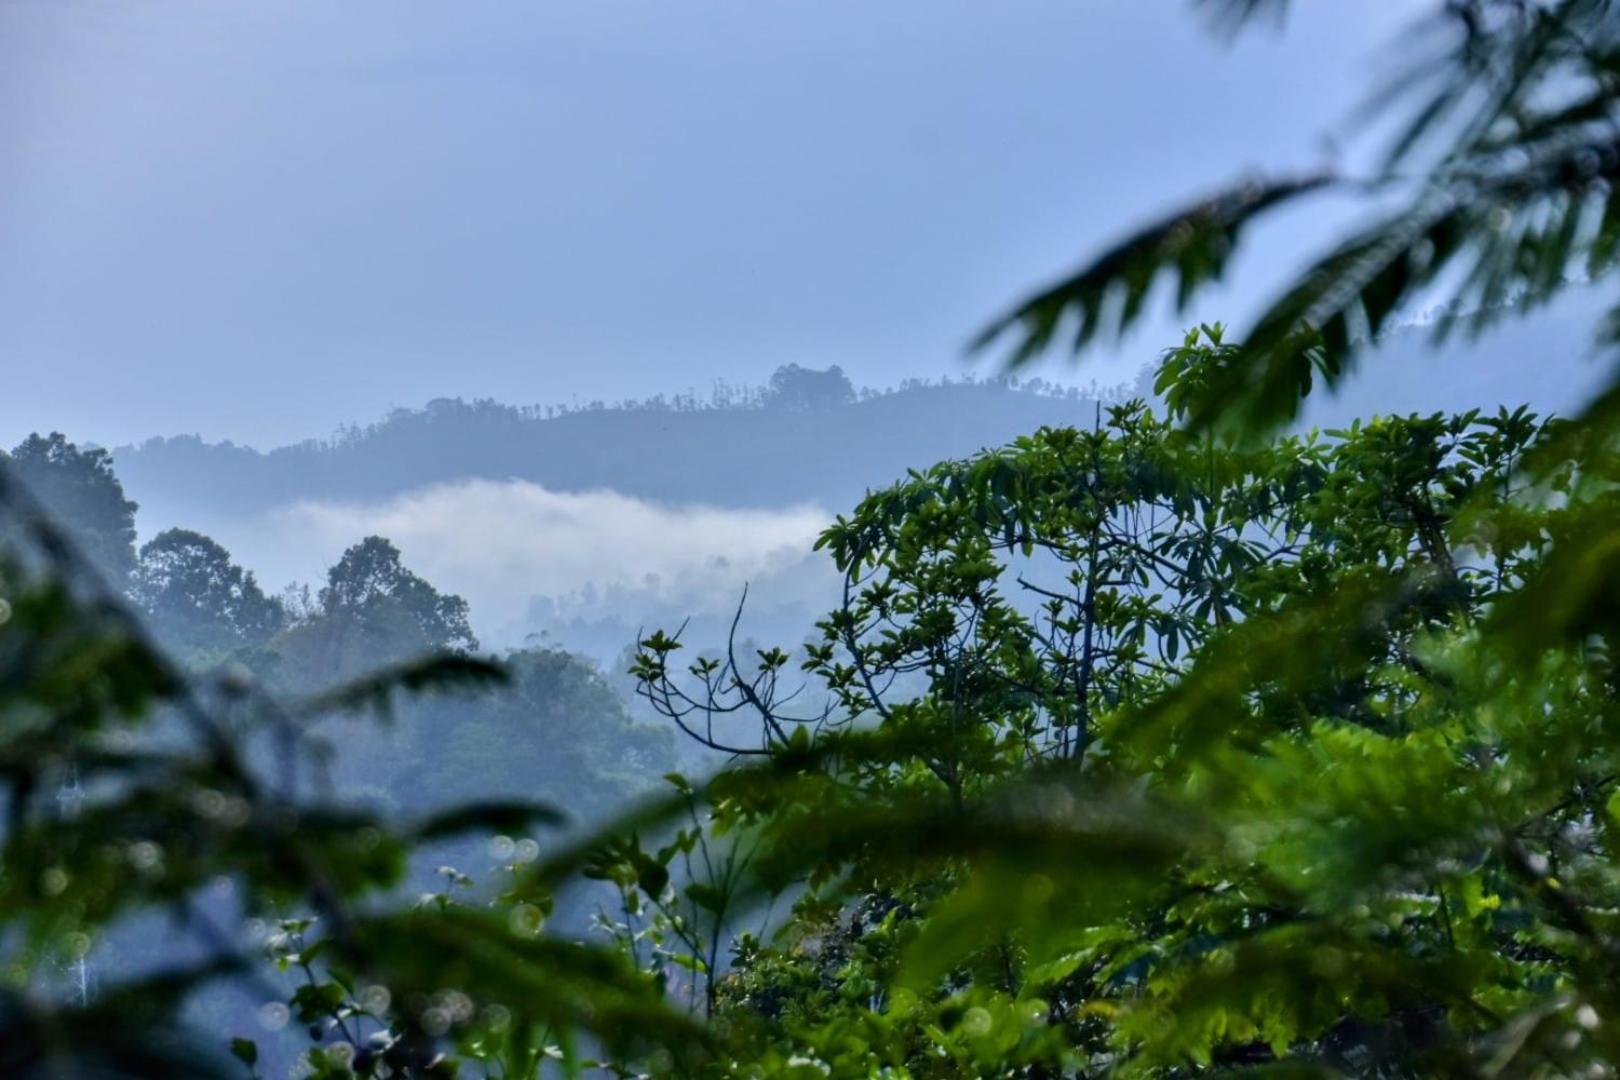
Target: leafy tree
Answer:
[[802, 389], [555, 726], [372, 611], [197, 600], [1005, 614], [82, 492], [370, 575], [1143, 751], [1365, 828], [168, 806], [1184, 754]]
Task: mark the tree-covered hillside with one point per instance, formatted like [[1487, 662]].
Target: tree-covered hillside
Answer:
[[802, 447], [747, 450], [1176, 742]]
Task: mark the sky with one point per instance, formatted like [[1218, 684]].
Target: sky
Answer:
[[259, 221]]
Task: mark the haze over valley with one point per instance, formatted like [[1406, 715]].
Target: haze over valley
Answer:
[[1061, 539]]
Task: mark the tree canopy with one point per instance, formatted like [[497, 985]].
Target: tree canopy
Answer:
[[373, 611], [1144, 751], [1159, 748], [198, 601], [82, 492], [802, 389]]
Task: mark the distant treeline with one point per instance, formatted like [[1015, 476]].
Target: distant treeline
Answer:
[[791, 388], [807, 436]]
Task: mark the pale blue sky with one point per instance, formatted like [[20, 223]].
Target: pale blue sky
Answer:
[[258, 220]]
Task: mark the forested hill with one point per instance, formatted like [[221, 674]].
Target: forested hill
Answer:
[[819, 443], [808, 437]]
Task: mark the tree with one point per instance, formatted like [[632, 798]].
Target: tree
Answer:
[[173, 799], [81, 490], [373, 611], [555, 727], [1144, 751], [198, 601], [1297, 756], [370, 576], [800, 389]]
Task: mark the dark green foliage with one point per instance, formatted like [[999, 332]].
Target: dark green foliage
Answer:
[[802, 389], [1187, 754], [1136, 750], [372, 612], [376, 691], [556, 730], [370, 577], [1191, 247], [504, 817], [130, 1032], [130, 791], [199, 603], [79, 489]]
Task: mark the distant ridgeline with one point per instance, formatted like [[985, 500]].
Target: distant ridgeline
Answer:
[[807, 437]]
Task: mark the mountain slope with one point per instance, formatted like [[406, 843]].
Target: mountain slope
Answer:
[[745, 456]]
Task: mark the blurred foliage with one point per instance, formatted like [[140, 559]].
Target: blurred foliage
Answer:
[[1494, 191], [197, 601], [372, 611], [84, 496], [134, 789], [1144, 749]]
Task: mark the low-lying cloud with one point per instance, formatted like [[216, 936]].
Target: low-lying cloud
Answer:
[[501, 544]]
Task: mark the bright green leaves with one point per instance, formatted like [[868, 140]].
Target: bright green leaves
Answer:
[[1227, 754]]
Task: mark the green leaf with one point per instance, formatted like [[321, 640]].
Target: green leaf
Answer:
[[508, 816], [245, 1050]]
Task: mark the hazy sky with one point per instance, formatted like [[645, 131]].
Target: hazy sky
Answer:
[[259, 220]]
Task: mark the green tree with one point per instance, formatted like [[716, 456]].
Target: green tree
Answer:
[[199, 602], [1017, 627], [1297, 755], [171, 804], [801, 389], [83, 493], [1364, 825], [1367, 827], [370, 576], [555, 727], [372, 611]]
